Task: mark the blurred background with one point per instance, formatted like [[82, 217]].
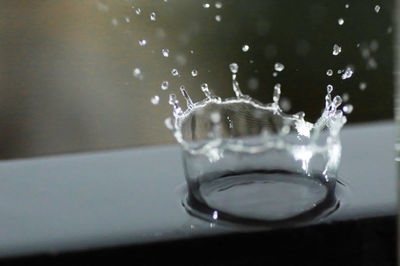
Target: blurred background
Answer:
[[67, 69]]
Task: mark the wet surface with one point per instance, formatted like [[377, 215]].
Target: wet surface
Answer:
[[70, 203]]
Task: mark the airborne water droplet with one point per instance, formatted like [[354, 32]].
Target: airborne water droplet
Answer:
[[218, 4], [165, 52], [142, 42], [336, 49], [348, 108], [155, 99], [137, 73], [377, 8], [347, 6], [347, 74], [279, 67], [245, 48], [218, 18], [340, 21], [234, 68], [153, 16], [206, 5], [194, 73], [164, 85], [174, 72], [363, 86], [329, 72], [138, 11]]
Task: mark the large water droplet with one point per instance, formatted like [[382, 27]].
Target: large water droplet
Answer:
[[340, 21], [245, 48], [336, 49], [377, 8], [279, 67]]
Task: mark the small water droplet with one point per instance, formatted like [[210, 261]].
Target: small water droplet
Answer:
[[389, 30], [245, 48], [329, 88], [377, 8], [336, 49], [374, 45], [234, 67], [206, 5], [165, 52], [363, 86], [155, 99], [348, 108], [164, 85], [127, 19], [153, 16], [218, 5], [218, 18], [137, 73], [372, 64], [275, 74], [345, 97], [142, 42], [194, 72], [114, 22], [347, 6], [279, 67], [329, 72], [138, 11], [191, 51], [340, 21], [174, 72]]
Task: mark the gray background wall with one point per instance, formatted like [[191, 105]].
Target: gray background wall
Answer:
[[66, 81]]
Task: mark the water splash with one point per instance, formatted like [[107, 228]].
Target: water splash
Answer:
[[222, 123]]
